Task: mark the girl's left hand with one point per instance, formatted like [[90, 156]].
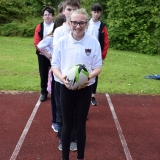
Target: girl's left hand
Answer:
[[86, 84]]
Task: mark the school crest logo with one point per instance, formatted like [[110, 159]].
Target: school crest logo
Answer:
[[88, 52]]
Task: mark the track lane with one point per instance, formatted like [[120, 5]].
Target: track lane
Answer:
[[15, 110], [138, 117]]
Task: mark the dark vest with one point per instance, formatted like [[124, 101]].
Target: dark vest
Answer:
[[40, 33], [101, 35]]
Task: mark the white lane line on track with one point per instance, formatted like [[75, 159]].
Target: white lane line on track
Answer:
[[120, 132], [25, 131]]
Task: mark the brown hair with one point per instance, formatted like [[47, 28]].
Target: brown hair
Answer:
[[75, 3], [96, 7], [49, 9], [60, 7]]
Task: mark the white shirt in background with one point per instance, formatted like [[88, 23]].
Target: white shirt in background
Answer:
[[60, 31], [46, 43], [47, 28], [93, 28]]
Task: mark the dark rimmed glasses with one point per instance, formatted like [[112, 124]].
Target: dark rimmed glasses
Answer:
[[81, 24], [69, 9], [48, 15]]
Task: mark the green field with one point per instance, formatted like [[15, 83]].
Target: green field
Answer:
[[122, 72]]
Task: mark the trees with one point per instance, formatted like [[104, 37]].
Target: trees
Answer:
[[18, 10], [37, 5], [12, 10], [19, 18], [134, 25]]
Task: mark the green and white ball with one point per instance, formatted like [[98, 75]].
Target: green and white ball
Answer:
[[77, 76]]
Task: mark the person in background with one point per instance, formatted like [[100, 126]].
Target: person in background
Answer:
[[68, 6], [76, 48], [46, 48], [41, 31], [98, 29], [60, 8]]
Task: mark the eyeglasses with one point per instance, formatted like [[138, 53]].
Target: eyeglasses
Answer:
[[81, 24], [47, 15], [69, 9]]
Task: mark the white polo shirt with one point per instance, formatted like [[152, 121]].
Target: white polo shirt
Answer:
[[47, 43], [60, 31], [69, 52], [47, 28], [93, 28]]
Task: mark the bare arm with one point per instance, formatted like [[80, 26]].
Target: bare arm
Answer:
[[93, 74], [46, 54], [62, 78]]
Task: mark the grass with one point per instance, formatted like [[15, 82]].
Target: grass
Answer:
[[19, 66], [122, 72]]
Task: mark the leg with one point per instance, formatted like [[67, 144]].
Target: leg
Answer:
[[53, 106], [53, 102], [73, 144], [58, 108], [68, 104], [83, 105], [58, 113], [44, 65], [94, 88]]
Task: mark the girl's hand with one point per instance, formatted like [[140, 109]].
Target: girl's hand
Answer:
[[86, 84], [65, 81]]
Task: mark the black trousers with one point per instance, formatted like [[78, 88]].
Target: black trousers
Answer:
[[59, 120], [57, 87], [94, 86], [53, 102], [58, 108], [78, 100], [44, 66]]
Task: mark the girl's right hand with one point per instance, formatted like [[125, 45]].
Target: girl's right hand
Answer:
[[65, 81]]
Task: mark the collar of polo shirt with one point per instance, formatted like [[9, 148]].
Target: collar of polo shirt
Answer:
[[72, 40]]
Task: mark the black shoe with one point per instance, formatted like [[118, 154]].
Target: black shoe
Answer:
[[43, 97], [94, 102]]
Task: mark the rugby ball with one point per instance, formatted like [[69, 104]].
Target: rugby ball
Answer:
[[77, 76]]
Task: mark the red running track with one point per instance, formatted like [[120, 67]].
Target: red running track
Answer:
[[121, 127]]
